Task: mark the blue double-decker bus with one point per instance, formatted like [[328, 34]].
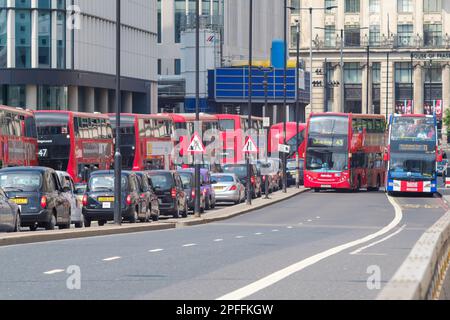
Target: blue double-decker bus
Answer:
[[412, 154]]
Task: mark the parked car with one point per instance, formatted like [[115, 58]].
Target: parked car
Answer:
[[75, 204], [228, 188], [98, 201], [269, 170], [206, 188], [291, 172], [187, 178], [80, 190], [171, 195], [148, 196], [240, 170], [39, 195], [441, 167], [9, 214]]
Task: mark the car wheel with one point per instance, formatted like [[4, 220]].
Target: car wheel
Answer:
[[87, 222], [185, 212], [18, 223], [79, 224], [52, 223], [176, 214], [155, 217], [134, 217], [208, 203], [101, 223], [33, 228]]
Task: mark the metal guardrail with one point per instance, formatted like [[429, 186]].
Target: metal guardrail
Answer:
[[422, 274]]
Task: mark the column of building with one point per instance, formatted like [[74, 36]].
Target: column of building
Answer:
[[445, 97], [418, 87]]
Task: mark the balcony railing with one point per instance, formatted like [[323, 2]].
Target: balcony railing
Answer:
[[384, 42]]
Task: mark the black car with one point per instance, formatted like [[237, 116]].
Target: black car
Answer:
[[148, 196], [171, 195], [240, 170], [187, 177], [291, 172], [9, 214], [98, 201], [39, 195]]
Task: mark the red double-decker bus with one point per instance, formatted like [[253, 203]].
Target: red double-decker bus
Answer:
[[18, 142], [345, 151], [146, 141], [76, 142], [276, 138], [233, 134]]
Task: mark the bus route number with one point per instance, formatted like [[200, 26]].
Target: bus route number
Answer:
[[43, 153]]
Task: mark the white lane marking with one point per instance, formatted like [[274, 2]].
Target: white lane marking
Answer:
[[290, 227], [379, 241], [189, 245], [240, 237], [54, 271], [277, 276], [317, 217], [258, 234], [275, 230], [309, 220], [218, 240], [300, 224], [111, 259], [155, 250]]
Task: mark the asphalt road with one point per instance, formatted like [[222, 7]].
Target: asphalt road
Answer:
[[233, 259]]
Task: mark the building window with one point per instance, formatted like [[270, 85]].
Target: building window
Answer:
[[159, 22], [405, 35], [3, 36], [330, 36], [177, 66], [296, 4], [159, 67], [61, 40], [374, 35], [206, 7], [352, 36], [23, 4], [352, 6], [23, 38], [180, 13], [432, 6], [403, 72], [352, 73], [374, 6], [54, 98], [435, 72], [13, 96], [329, 3], [44, 37], [432, 34], [404, 6], [293, 36], [376, 73]]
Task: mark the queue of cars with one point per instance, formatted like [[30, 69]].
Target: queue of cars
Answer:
[[39, 197]]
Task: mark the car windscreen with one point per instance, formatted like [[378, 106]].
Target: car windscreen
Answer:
[[162, 181], [222, 179], [240, 171], [105, 183], [186, 178], [21, 181]]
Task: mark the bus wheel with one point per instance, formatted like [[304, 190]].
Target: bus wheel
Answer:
[[316, 190]]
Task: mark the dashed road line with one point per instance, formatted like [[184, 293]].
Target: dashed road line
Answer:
[[258, 234], [240, 237], [155, 250], [111, 259], [54, 271], [189, 245], [218, 240]]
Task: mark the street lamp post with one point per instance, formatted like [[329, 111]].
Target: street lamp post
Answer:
[[118, 156], [197, 104], [266, 85], [250, 93], [367, 79], [297, 105]]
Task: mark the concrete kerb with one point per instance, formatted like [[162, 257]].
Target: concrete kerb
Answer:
[[422, 274], [241, 209], [220, 215], [44, 236]]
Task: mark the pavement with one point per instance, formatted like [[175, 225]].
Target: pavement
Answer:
[[299, 248]]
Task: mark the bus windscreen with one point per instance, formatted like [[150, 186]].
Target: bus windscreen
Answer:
[[413, 129]]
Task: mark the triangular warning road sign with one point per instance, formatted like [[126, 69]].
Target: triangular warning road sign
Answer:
[[250, 146], [196, 145]]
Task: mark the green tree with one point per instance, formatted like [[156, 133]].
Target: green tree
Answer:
[[446, 119]]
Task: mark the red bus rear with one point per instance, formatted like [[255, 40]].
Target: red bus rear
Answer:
[[18, 141], [76, 142], [277, 138], [345, 151], [233, 134], [146, 141]]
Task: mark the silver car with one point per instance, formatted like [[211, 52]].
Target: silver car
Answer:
[[75, 204], [228, 188]]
